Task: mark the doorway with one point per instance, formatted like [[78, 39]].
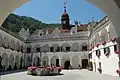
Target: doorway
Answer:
[[84, 63], [57, 62], [66, 65]]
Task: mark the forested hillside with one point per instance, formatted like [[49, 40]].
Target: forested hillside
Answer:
[[15, 22]]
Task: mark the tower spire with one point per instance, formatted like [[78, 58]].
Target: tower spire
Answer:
[[64, 6]]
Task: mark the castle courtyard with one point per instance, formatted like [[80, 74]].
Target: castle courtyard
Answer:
[[67, 75]]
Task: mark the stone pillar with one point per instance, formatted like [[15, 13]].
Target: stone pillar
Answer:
[[49, 61], [60, 61], [70, 60], [108, 35], [118, 41]]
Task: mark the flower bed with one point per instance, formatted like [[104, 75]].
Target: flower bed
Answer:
[[42, 71]]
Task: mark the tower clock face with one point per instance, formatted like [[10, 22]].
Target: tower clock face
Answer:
[[64, 22]]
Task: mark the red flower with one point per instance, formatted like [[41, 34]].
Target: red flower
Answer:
[[98, 55], [117, 52], [97, 45], [103, 43], [107, 53], [118, 71], [113, 39], [32, 68]]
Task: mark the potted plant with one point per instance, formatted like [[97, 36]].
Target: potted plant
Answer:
[[118, 71], [97, 45], [117, 52], [113, 39], [103, 43]]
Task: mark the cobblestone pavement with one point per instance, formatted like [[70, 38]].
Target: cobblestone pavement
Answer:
[[68, 75]]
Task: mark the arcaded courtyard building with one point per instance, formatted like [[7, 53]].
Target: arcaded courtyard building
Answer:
[[66, 45]]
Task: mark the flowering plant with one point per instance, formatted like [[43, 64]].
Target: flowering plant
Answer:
[[113, 39], [98, 54], [117, 52], [103, 43], [32, 68], [118, 71], [107, 53], [42, 70], [97, 45]]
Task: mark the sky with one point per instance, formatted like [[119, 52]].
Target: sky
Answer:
[[50, 11]]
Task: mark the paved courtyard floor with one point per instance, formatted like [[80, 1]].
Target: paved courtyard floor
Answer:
[[67, 75]]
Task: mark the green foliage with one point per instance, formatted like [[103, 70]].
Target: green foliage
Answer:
[[15, 22]]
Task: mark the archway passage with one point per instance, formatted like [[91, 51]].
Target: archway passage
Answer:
[[66, 64], [75, 62], [84, 63], [36, 61], [45, 61], [55, 61]]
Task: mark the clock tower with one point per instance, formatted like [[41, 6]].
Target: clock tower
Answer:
[[65, 19]]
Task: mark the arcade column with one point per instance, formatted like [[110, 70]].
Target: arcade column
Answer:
[[118, 41]]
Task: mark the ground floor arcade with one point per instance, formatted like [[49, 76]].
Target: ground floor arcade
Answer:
[[12, 60]]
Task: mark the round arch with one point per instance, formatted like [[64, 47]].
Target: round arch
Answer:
[[45, 61], [56, 47], [84, 63], [11, 62], [104, 35], [65, 47], [22, 62], [45, 48], [97, 38], [17, 62], [112, 31], [65, 61], [28, 61], [75, 47], [37, 48], [12, 44], [84, 46], [36, 61], [75, 61], [55, 60], [5, 61]]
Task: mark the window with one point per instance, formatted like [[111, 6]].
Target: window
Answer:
[[28, 50], [104, 50], [67, 48], [90, 55], [58, 49], [37, 49], [51, 49], [115, 48], [84, 48]]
